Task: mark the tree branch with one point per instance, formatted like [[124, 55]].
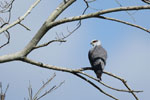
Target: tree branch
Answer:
[[43, 86], [46, 44], [120, 90], [124, 82], [10, 57], [93, 15], [7, 34], [43, 30], [124, 22], [21, 18], [76, 71], [94, 85], [37, 94]]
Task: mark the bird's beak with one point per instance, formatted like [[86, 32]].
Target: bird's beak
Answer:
[[91, 43]]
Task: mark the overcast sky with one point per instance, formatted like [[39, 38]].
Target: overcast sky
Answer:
[[128, 52]]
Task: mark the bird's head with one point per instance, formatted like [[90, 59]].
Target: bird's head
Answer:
[[95, 42]]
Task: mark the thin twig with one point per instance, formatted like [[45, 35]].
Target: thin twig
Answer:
[[124, 22], [3, 95], [126, 11], [90, 82], [99, 13], [121, 90], [6, 89], [10, 10], [30, 91], [43, 86], [124, 82], [50, 90], [7, 34], [21, 18], [46, 44], [146, 1], [24, 26]]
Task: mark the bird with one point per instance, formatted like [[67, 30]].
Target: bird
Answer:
[[97, 57], [146, 1]]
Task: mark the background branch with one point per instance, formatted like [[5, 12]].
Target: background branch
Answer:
[[94, 85], [37, 94], [124, 22], [6, 8], [3, 95], [21, 18], [96, 14]]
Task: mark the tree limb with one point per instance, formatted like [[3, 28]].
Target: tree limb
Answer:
[[120, 90], [93, 15], [124, 82], [21, 18], [43, 30], [76, 71], [94, 85], [124, 22], [46, 44]]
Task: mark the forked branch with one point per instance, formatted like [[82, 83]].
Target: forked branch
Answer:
[[38, 95], [77, 72]]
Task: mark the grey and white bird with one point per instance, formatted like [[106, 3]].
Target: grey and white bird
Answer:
[[97, 57]]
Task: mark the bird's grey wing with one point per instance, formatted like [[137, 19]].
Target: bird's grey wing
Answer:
[[99, 53], [97, 57]]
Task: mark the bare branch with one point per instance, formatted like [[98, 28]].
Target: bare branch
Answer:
[[46, 44], [126, 11], [44, 85], [36, 96], [110, 74], [30, 91], [124, 82], [124, 22], [87, 6], [7, 34], [3, 95], [24, 26], [93, 15], [76, 71], [50, 90], [146, 1], [90, 82], [21, 18], [43, 30], [120, 90], [6, 9], [50, 23]]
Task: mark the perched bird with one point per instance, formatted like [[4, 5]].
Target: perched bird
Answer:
[[146, 1], [97, 57]]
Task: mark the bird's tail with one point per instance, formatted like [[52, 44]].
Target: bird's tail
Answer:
[[99, 74]]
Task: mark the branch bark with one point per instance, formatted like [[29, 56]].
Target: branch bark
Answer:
[[52, 22], [77, 71], [43, 30], [20, 19], [96, 14]]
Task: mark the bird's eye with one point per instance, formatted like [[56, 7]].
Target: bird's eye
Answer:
[[94, 41]]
